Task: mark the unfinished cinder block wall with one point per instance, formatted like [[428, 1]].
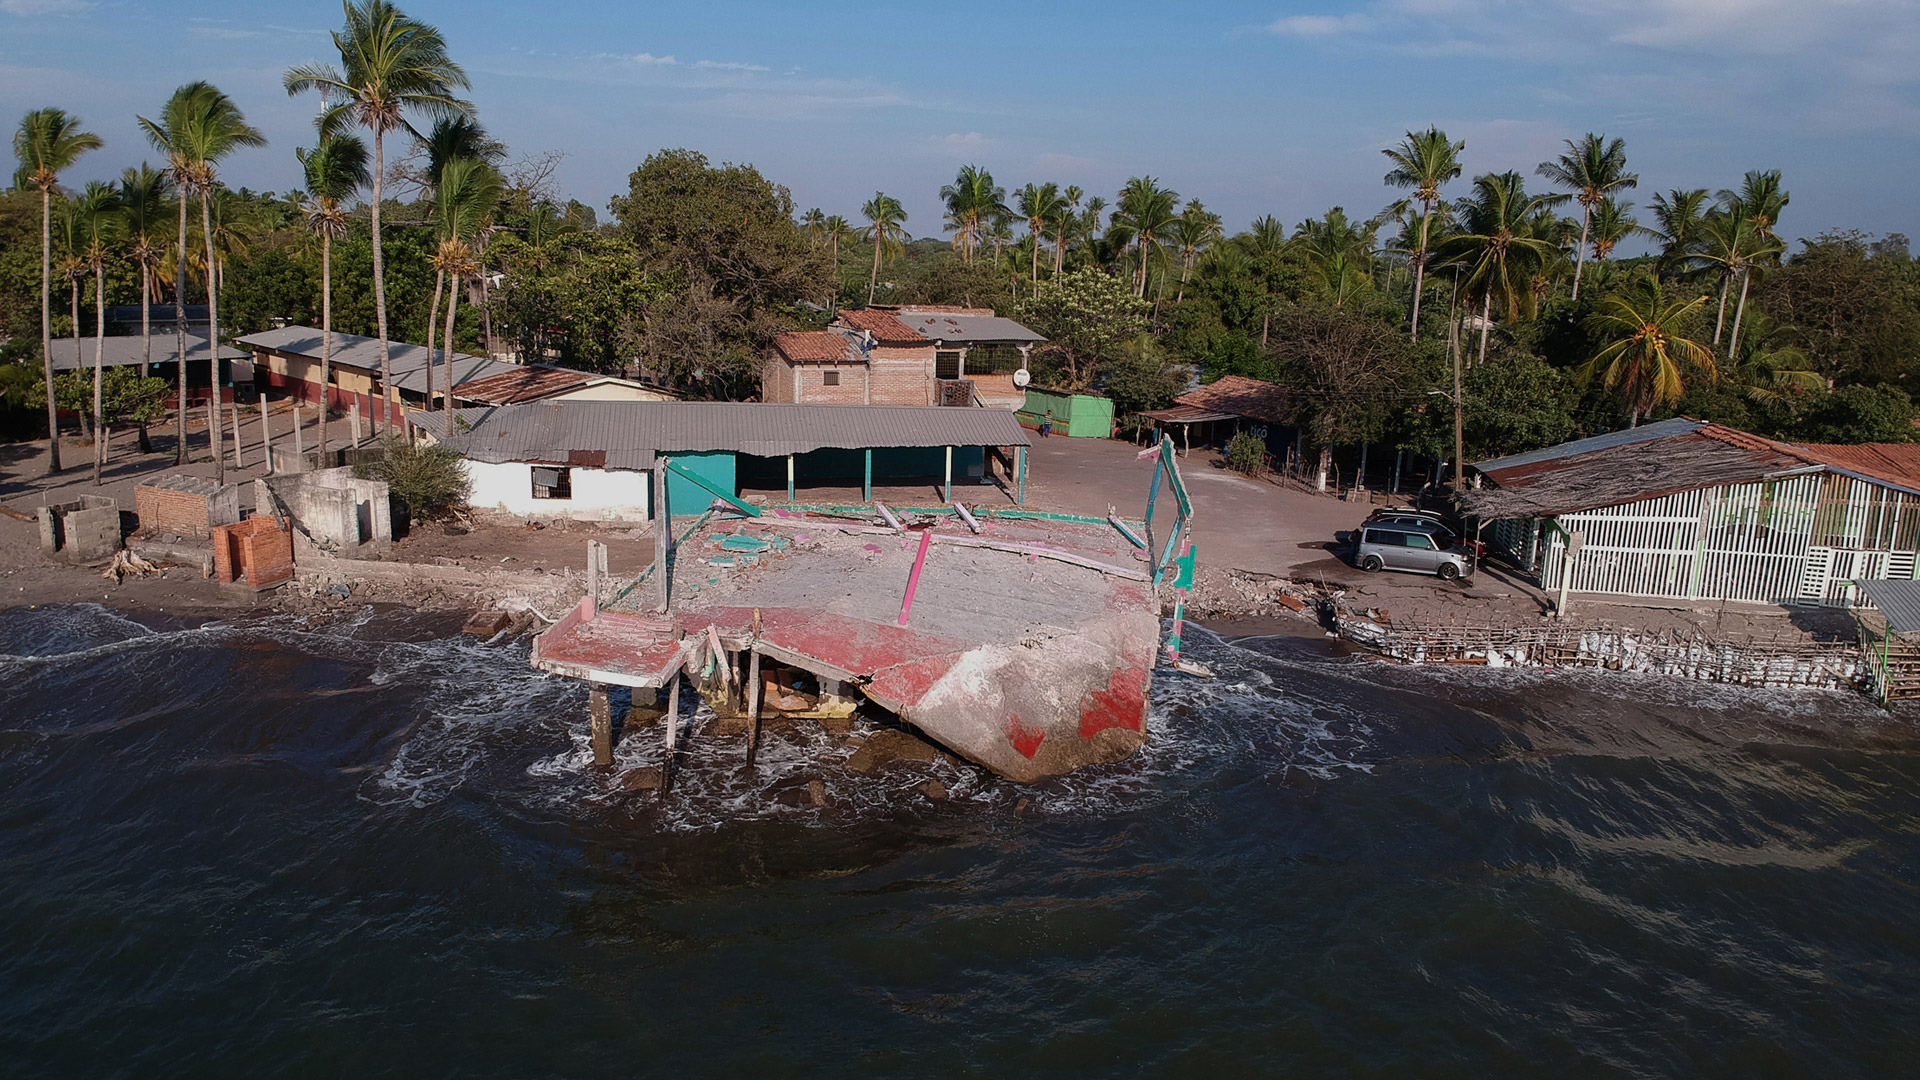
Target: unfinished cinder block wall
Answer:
[[257, 552], [331, 511], [84, 529], [185, 505]]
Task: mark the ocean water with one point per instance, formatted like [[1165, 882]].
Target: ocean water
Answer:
[[376, 849]]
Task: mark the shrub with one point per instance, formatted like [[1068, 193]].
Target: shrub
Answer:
[[427, 481], [1247, 454]]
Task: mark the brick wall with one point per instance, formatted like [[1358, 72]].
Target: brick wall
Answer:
[[257, 551], [902, 376], [182, 513], [851, 391], [776, 379]]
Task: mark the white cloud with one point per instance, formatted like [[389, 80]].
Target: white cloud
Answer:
[[44, 7], [220, 33], [649, 58], [727, 65], [1318, 25], [961, 142]]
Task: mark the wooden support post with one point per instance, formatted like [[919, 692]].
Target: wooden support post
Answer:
[[662, 531], [1397, 455], [1574, 543], [753, 705], [672, 735], [600, 713], [972, 524], [789, 477], [946, 492], [1021, 453], [866, 482]]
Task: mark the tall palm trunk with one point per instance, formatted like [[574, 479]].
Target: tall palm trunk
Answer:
[[99, 368], [146, 332], [326, 339], [1060, 249], [1733, 340], [873, 280], [1580, 257], [1486, 323], [380, 285], [46, 327], [1034, 274], [1720, 320], [180, 456], [446, 347], [1420, 264], [433, 323], [79, 361], [213, 341]]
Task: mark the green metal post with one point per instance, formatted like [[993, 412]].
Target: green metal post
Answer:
[[946, 494], [789, 477], [866, 481], [1022, 453]]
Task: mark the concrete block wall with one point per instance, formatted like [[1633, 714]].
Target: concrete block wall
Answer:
[[92, 534], [58, 526], [331, 510]]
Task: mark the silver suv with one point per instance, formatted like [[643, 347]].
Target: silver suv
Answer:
[[1418, 548]]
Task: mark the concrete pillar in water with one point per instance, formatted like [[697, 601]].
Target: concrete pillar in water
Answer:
[[600, 713], [753, 705], [672, 735]]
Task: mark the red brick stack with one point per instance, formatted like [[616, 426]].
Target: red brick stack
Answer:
[[257, 551]]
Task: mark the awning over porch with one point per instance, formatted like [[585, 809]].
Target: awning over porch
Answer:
[[1185, 414]]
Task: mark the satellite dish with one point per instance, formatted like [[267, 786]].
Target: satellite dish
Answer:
[[1022, 377]]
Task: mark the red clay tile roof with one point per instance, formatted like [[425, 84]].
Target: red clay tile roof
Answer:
[[883, 325], [1238, 395], [527, 384], [805, 345]]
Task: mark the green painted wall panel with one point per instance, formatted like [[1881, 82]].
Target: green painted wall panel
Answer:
[[1087, 416], [716, 467]]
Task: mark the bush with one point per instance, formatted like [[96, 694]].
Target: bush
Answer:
[[1247, 454], [427, 481]]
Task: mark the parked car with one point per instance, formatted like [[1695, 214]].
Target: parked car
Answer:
[[1420, 548], [1402, 516]]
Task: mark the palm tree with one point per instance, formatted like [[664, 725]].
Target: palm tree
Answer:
[[455, 137], [812, 222], [1145, 214], [1423, 162], [886, 219], [171, 136], [144, 194], [1681, 214], [1760, 199], [1772, 367], [1644, 350], [1194, 231], [96, 222], [1733, 245], [210, 126], [1593, 169], [1499, 245], [833, 230], [1612, 222], [469, 191], [974, 203], [1065, 214], [1039, 204], [47, 142], [335, 169], [392, 65]]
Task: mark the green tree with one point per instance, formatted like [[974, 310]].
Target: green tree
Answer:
[[334, 169], [1644, 352], [1860, 414], [886, 227], [1855, 305], [1039, 204], [1194, 231], [1337, 253], [1144, 216], [390, 65], [97, 223], [1593, 169], [144, 195], [1346, 370], [1423, 162], [469, 192], [1500, 246], [974, 202], [1088, 318], [47, 143], [1681, 215]]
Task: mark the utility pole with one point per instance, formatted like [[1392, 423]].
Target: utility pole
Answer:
[[1459, 437]]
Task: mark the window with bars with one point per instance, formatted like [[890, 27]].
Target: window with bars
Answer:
[[552, 482], [829, 378]]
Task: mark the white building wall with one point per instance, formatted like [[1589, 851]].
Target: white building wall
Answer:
[[598, 494]]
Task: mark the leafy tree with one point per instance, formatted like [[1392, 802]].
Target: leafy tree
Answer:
[[1142, 378], [1246, 454], [428, 481], [1346, 370], [1088, 317], [571, 299], [1644, 351], [1593, 169], [390, 65], [1423, 162], [1857, 312], [1860, 414], [47, 143]]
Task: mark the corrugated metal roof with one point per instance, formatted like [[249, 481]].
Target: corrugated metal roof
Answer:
[[967, 329], [1185, 414], [1899, 601], [406, 363], [123, 351], [631, 432], [528, 382], [1240, 396], [1894, 463], [883, 326], [1679, 425]]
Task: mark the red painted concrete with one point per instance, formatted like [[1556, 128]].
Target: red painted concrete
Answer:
[[1122, 704], [1025, 739]]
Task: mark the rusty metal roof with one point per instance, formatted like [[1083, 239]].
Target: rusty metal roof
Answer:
[[884, 327], [1238, 395], [523, 383], [1893, 463], [631, 433], [1185, 414]]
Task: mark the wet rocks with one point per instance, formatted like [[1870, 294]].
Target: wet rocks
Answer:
[[889, 745], [645, 778]]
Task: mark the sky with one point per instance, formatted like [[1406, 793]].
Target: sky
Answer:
[[1253, 108]]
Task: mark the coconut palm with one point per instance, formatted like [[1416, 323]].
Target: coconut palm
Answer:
[[469, 192], [454, 137], [1500, 245], [144, 195], [886, 219], [47, 143], [1592, 169], [96, 226], [392, 65], [1681, 214], [1194, 231], [1424, 162], [1644, 351], [833, 230], [170, 135], [1737, 247], [1039, 204], [334, 169], [1065, 213], [200, 126], [1771, 367], [1612, 222], [1760, 199], [812, 222], [1144, 215], [974, 202]]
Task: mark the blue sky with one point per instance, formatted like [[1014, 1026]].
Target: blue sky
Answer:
[[1254, 108]]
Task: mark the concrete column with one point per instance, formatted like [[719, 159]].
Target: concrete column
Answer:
[[300, 441], [266, 433], [354, 417], [662, 530], [1021, 453], [789, 477], [600, 714], [235, 413], [672, 734], [753, 706], [947, 489]]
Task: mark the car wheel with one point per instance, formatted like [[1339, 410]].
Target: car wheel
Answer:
[[1449, 572], [1371, 564]]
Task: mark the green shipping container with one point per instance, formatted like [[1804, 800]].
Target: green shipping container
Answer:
[[1087, 416]]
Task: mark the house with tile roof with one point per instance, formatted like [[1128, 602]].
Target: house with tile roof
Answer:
[[1687, 510], [901, 356]]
